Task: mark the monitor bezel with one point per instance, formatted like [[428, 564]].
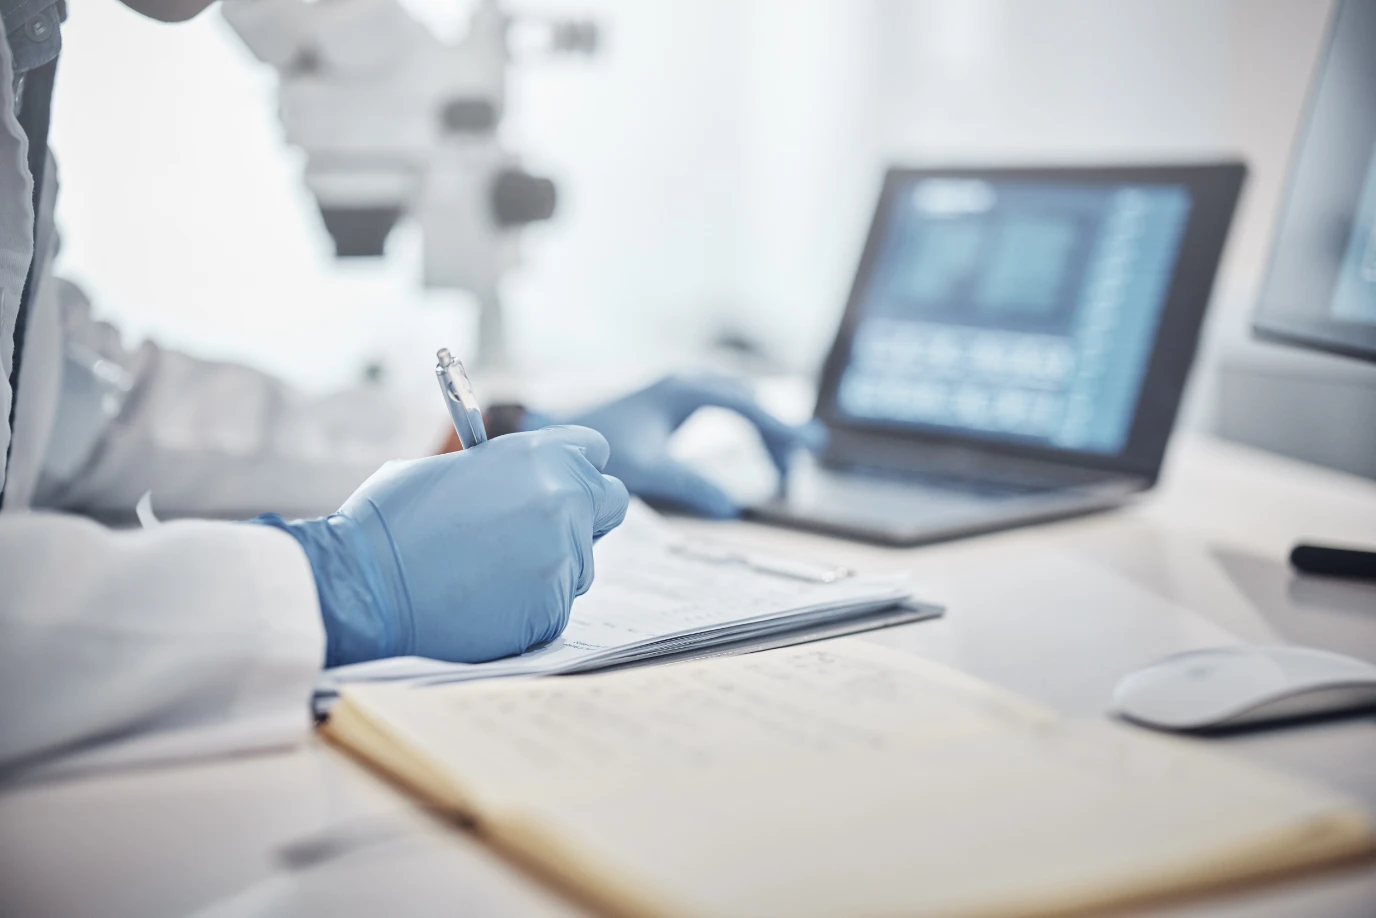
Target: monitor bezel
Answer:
[[1214, 189], [1276, 319]]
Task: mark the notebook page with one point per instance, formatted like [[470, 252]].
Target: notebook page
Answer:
[[849, 779]]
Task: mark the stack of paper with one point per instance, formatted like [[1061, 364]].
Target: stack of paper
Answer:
[[656, 594]]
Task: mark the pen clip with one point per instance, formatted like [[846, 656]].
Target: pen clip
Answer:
[[450, 386], [454, 380]]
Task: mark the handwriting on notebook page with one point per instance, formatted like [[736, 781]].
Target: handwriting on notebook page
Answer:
[[846, 779], [763, 713]]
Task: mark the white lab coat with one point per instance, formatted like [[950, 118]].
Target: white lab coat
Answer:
[[195, 638]]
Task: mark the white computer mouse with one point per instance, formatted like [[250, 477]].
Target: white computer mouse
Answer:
[[1231, 686]]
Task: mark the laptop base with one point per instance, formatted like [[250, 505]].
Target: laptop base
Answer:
[[892, 511]]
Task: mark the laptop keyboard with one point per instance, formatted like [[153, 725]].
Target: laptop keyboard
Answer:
[[959, 484]]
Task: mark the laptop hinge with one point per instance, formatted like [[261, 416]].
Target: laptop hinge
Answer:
[[858, 451]]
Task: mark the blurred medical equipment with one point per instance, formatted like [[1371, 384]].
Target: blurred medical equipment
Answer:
[[464, 557], [395, 121]]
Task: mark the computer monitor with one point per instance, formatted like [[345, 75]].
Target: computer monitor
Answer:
[[1046, 312], [1014, 348], [1320, 291], [1019, 308]]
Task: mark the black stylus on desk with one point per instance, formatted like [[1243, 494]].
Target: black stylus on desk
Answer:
[[1334, 562]]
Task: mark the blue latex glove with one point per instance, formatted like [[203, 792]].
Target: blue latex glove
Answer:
[[639, 426], [464, 557]]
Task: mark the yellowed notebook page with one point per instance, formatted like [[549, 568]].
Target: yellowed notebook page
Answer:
[[845, 779]]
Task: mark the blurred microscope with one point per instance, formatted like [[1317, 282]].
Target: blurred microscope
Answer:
[[395, 121]]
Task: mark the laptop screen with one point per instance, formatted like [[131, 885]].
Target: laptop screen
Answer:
[[1014, 309]]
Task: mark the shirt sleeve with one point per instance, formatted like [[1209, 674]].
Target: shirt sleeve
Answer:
[[209, 438], [191, 639]]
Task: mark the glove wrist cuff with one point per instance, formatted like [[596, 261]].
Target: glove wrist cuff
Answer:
[[376, 547], [354, 585]]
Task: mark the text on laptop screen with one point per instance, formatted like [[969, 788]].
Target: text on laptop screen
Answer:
[[1014, 309]]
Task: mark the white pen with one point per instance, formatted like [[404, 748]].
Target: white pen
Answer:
[[459, 399]]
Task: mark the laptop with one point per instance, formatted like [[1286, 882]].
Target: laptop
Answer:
[[1014, 348]]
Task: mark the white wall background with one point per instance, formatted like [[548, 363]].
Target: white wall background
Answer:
[[717, 161]]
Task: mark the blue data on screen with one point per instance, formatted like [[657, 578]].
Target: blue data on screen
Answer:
[[1014, 310], [1354, 295]]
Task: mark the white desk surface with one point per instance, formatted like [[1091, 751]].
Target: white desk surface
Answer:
[[1056, 613]]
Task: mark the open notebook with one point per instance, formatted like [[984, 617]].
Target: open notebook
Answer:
[[836, 779], [656, 594]]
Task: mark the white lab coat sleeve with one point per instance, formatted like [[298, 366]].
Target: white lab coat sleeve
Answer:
[[208, 438], [121, 648]]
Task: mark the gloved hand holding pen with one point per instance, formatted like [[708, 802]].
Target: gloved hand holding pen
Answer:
[[463, 557]]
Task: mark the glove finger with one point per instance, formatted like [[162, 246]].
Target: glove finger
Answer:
[[608, 494], [609, 505], [580, 542], [583, 540], [559, 607], [780, 438], [589, 442], [682, 488]]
